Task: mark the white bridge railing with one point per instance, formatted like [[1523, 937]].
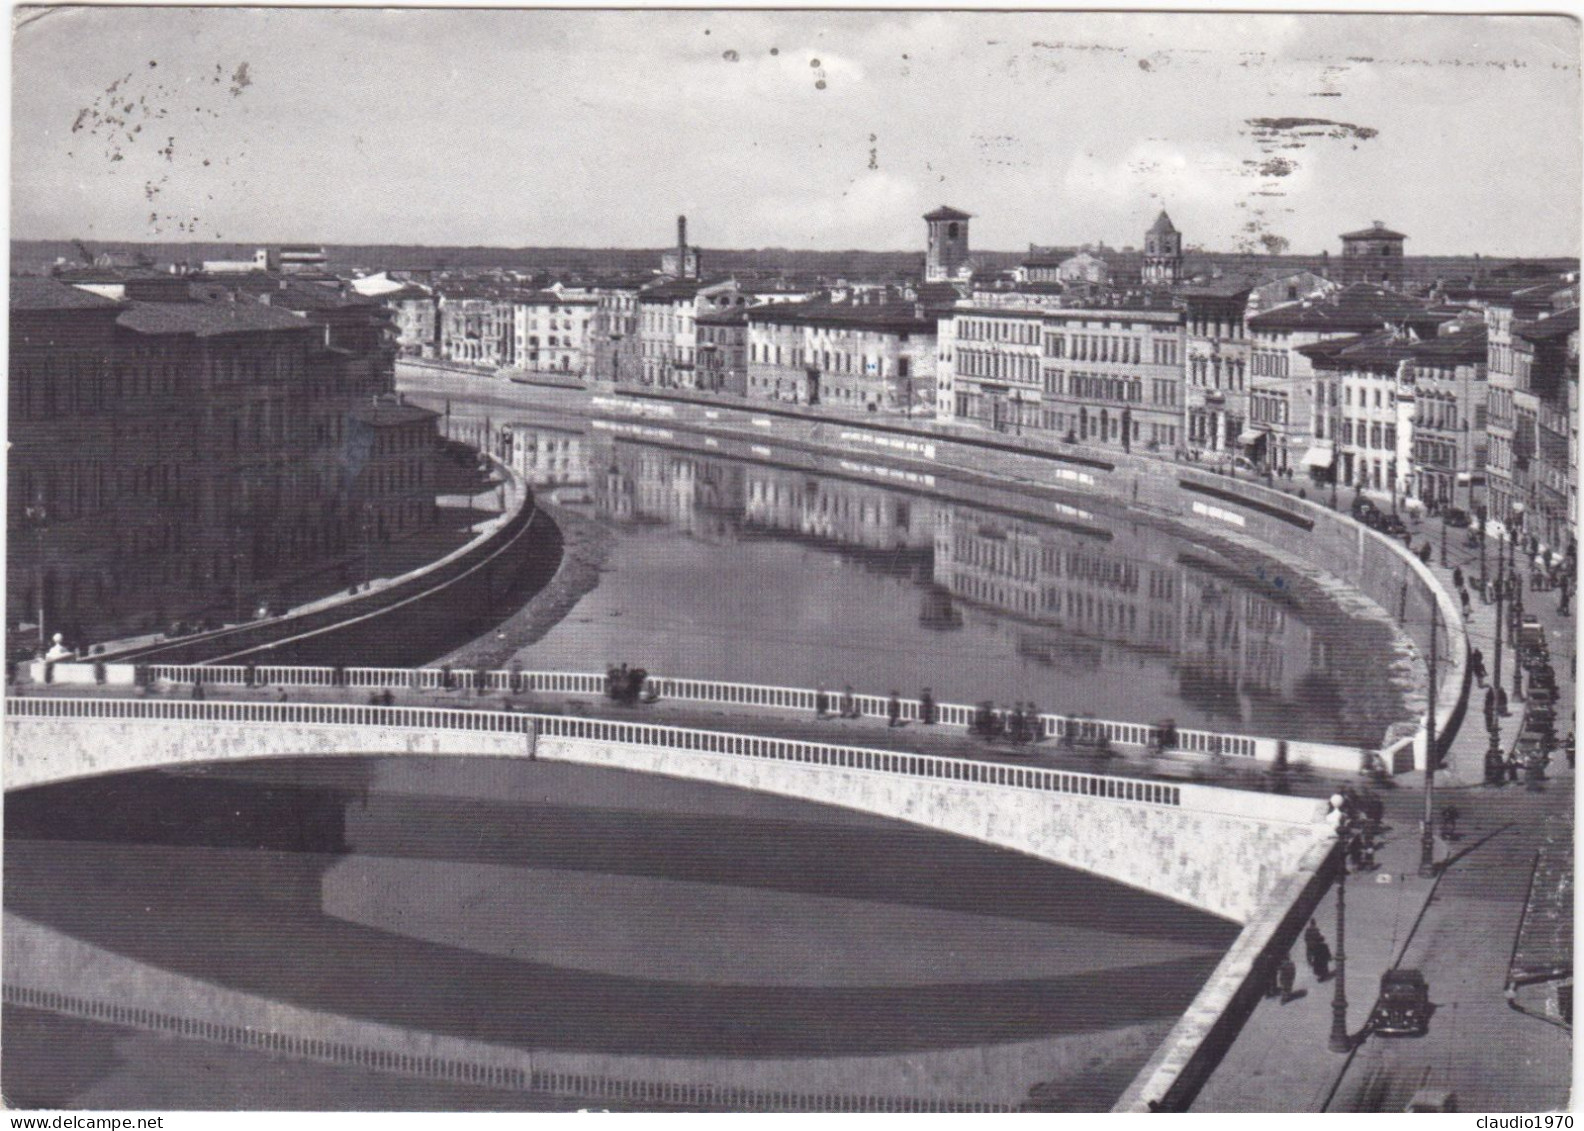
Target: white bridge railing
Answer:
[[603, 730], [760, 696]]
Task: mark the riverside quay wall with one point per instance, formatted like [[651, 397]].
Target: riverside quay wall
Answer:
[[1094, 484], [1221, 851]]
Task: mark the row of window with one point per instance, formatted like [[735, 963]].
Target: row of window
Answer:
[[998, 330], [1020, 367]]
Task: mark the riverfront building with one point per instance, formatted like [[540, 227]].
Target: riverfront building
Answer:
[[871, 356], [171, 457], [551, 331], [1105, 376], [668, 327]]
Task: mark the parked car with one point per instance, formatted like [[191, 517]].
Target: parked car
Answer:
[[1403, 1007], [1456, 517]]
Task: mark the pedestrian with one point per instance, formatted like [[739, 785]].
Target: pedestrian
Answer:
[[1449, 818], [1015, 729], [1036, 726], [821, 703], [1468, 606], [1477, 667], [1316, 950], [927, 708], [1286, 974], [198, 691], [849, 705], [1457, 576], [894, 710], [1512, 767]]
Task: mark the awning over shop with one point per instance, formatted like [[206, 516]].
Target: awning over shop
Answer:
[[1249, 436], [1317, 457]]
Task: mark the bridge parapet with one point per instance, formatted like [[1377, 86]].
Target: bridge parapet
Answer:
[[1216, 849], [1238, 748]]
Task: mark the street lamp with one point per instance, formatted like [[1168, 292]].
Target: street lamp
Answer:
[[1427, 832], [37, 515], [1340, 1041]]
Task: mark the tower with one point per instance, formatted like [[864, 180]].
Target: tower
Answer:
[[683, 262], [947, 254], [1373, 255], [1162, 253]]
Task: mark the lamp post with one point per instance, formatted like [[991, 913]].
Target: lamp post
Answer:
[[1496, 671], [1340, 1041], [1427, 832], [37, 516]]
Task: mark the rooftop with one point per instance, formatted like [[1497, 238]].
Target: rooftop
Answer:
[[206, 320], [1163, 225], [31, 293], [1377, 231], [1357, 308], [947, 212], [1549, 329], [387, 412]]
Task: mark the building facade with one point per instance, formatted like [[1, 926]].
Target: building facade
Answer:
[[551, 331], [1098, 376], [863, 355], [668, 330]]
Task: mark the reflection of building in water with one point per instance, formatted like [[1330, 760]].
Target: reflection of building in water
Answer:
[[834, 510], [1132, 591], [698, 495], [546, 457]]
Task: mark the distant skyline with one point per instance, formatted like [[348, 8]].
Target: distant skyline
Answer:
[[804, 130]]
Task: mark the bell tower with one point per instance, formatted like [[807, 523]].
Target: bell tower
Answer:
[[946, 257], [1163, 260]]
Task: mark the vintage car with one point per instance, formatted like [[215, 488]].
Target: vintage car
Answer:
[[1403, 1008]]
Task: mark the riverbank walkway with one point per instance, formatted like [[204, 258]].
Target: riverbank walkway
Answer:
[[1459, 928]]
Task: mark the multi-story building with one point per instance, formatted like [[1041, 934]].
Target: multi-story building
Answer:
[[1449, 442], [872, 356], [668, 331], [1546, 364], [1100, 376], [476, 327], [1216, 349], [175, 456], [1372, 420], [416, 314], [1513, 416], [1290, 408], [551, 331], [391, 454], [614, 349], [723, 351]]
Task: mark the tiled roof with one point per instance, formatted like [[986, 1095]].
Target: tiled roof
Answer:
[[30, 293], [1163, 225], [205, 319], [947, 212], [732, 315], [1463, 346], [1546, 329], [1373, 233], [899, 318], [384, 414], [1356, 308]]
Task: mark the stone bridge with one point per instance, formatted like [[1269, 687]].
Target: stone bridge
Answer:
[[1221, 851]]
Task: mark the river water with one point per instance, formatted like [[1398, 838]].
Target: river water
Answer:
[[735, 570]]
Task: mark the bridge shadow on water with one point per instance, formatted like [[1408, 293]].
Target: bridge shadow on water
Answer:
[[221, 874]]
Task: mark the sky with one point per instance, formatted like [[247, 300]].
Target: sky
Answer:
[[822, 130]]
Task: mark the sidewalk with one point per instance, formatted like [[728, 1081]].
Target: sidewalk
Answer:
[[1458, 929]]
